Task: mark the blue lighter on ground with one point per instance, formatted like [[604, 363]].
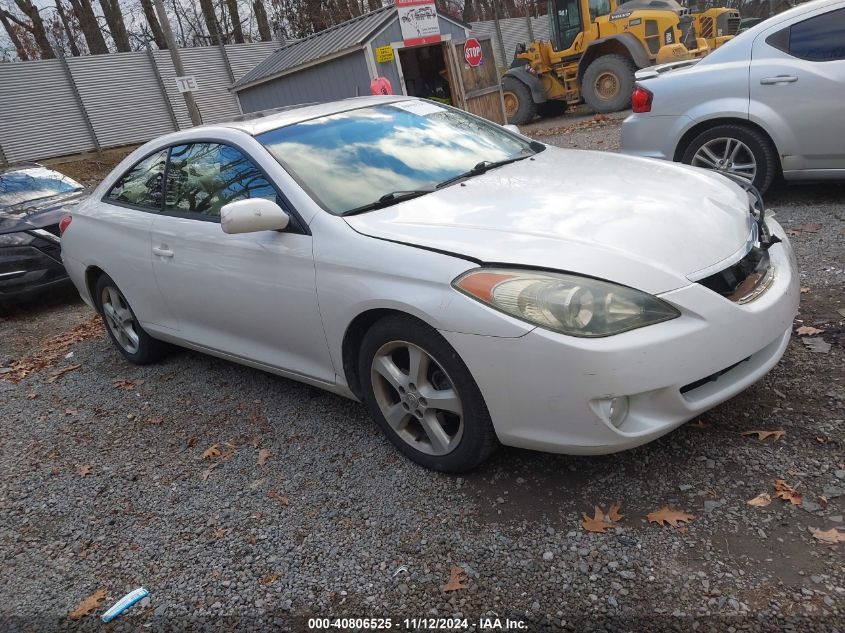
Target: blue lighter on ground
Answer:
[[124, 603]]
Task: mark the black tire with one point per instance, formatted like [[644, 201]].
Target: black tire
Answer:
[[609, 68], [149, 350], [765, 155], [519, 105], [477, 440], [548, 109]]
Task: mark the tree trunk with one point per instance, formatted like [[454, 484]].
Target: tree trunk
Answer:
[[90, 29], [36, 27], [262, 21], [211, 22], [71, 36], [155, 27], [374, 4], [235, 16], [468, 14], [20, 49], [117, 27]]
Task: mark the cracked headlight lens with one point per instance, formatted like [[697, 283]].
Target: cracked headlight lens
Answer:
[[569, 304]]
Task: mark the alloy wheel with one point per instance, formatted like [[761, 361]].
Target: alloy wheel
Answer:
[[120, 319], [417, 398], [728, 155]]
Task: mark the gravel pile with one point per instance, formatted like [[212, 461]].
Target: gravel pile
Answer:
[[105, 486]]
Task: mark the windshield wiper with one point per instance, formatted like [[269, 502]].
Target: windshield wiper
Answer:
[[388, 199], [487, 165]]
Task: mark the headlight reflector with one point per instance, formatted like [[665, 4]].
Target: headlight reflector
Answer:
[[569, 304]]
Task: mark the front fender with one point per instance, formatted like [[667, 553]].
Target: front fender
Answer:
[[538, 93]]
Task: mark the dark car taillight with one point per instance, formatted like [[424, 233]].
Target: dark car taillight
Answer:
[[64, 223], [641, 99]]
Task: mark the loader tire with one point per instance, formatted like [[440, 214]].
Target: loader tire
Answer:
[[608, 83], [519, 106]]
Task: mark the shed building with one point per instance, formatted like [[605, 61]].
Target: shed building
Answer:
[[343, 60]]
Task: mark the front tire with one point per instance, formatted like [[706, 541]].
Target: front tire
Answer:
[[423, 397], [123, 328], [608, 83], [519, 106], [735, 149]]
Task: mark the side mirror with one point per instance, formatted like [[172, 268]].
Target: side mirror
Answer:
[[510, 127], [252, 215]]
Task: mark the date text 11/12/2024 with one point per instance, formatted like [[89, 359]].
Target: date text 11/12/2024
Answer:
[[490, 622]]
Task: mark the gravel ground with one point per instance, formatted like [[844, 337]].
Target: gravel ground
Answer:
[[105, 486]]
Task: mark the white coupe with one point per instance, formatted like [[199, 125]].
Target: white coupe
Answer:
[[471, 286]]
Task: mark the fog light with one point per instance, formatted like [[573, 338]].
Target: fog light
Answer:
[[616, 410]]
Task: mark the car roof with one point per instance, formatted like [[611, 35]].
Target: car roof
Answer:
[[256, 123]]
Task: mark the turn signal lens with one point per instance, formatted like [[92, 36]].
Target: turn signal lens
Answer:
[[641, 99], [569, 304], [64, 223]]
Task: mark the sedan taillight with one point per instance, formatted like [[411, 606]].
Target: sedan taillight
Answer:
[[64, 223], [641, 99]]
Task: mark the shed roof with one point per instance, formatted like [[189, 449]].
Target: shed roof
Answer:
[[335, 39]]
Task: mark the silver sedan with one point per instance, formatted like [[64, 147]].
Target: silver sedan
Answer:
[[766, 104]]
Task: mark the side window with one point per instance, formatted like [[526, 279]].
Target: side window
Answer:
[[817, 39], [143, 185], [202, 177], [599, 8]]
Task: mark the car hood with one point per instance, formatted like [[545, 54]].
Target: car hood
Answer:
[[36, 214], [644, 223]]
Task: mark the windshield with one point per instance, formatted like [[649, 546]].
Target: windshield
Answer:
[[30, 183], [350, 159]]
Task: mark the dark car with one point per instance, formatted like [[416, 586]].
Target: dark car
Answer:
[[33, 200]]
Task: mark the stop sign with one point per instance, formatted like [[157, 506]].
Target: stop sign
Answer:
[[472, 52]]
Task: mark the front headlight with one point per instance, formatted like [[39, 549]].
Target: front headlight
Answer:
[[15, 239], [569, 304]]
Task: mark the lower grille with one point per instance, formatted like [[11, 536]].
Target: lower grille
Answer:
[[710, 378]]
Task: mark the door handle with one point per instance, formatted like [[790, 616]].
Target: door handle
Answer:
[[779, 79], [162, 252]]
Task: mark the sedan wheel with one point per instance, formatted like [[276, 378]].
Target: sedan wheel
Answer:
[[728, 155], [119, 319], [417, 398], [124, 330], [423, 396]]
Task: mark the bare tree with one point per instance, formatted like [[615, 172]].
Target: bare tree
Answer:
[[34, 26], [13, 30], [261, 20], [117, 27], [211, 22], [234, 15], [84, 13], [68, 28], [152, 21]]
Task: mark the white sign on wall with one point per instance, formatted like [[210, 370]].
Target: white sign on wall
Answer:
[[188, 83], [418, 19]]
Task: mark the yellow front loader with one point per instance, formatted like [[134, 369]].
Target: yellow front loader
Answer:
[[596, 47]]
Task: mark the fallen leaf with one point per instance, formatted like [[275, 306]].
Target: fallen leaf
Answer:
[[204, 475], [88, 605], [270, 579], [283, 499], [458, 579], [804, 290], [699, 424], [818, 345], [61, 372], [823, 501], [808, 330], [56, 470], [761, 500], [613, 513], [600, 522], [822, 439], [31, 396], [763, 435], [829, 536], [667, 515], [71, 411], [841, 311], [220, 533], [155, 421], [84, 470], [804, 228], [786, 492], [211, 452], [263, 456], [123, 383]]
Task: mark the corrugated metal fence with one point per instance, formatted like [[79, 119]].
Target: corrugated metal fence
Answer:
[[63, 106], [514, 31]]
